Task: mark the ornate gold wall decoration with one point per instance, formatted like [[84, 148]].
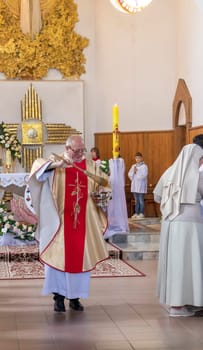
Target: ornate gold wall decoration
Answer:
[[33, 133], [56, 46]]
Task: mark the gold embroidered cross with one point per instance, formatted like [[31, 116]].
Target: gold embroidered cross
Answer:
[[77, 192]]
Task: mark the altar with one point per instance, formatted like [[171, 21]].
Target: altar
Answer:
[[18, 227], [12, 183], [16, 179]]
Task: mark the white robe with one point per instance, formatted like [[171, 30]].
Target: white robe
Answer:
[[70, 285], [117, 209], [180, 267]]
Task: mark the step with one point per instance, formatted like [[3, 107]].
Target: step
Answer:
[[142, 242]]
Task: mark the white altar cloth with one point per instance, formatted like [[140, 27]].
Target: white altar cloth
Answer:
[[17, 179], [8, 239]]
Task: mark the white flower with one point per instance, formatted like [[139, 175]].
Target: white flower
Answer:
[[21, 231], [9, 141], [7, 226], [11, 217]]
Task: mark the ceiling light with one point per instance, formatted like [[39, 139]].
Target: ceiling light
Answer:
[[130, 6]]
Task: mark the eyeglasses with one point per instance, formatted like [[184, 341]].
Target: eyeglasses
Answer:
[[77, 151]]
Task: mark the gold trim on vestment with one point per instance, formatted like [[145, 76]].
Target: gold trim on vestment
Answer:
[[95, 248]]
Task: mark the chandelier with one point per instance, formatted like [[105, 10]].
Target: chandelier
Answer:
[[130, 6]]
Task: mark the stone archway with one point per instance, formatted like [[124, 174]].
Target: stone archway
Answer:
[[182, 102]]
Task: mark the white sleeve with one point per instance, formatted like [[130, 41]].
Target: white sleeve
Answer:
[[157, 198], [131, 172], [41, 174]]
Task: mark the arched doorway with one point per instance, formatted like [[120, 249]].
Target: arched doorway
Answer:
[[182, 116]]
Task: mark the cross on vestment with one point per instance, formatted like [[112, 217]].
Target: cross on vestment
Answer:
[[77, 192], [34, 134]]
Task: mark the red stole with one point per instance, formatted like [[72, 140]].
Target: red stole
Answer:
[[76, 192]]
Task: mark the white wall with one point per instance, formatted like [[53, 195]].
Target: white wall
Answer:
[[190, 53], [131, 61], [136, 65], [86, 27]]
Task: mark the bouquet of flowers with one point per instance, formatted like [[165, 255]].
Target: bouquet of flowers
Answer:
[[10, 142], [8, 224]]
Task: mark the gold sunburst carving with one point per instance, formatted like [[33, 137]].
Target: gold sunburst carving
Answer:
[[56, 46]]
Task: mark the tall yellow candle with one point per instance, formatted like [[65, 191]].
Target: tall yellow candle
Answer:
[[116, 147]]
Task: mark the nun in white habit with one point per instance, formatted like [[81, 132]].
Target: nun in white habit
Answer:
[[180, 269]]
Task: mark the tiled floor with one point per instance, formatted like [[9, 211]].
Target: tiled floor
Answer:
[[120, 314]]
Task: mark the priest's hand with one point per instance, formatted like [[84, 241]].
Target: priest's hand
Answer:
[[57, 164], [58, 161]]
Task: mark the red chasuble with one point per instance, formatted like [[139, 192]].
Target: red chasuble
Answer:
[[76, 192]]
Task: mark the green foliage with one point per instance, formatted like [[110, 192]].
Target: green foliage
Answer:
[[104, 166]]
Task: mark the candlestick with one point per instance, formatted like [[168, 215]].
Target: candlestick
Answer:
[[116, 148], [8, 157], [8, 160]]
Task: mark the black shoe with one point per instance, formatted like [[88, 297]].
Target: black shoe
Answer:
[[59, 303], [76, 305]]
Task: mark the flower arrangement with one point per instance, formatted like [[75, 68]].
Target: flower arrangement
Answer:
[[8, 224], [10, 142]]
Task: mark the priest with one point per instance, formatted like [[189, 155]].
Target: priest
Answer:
[[70, 225]]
